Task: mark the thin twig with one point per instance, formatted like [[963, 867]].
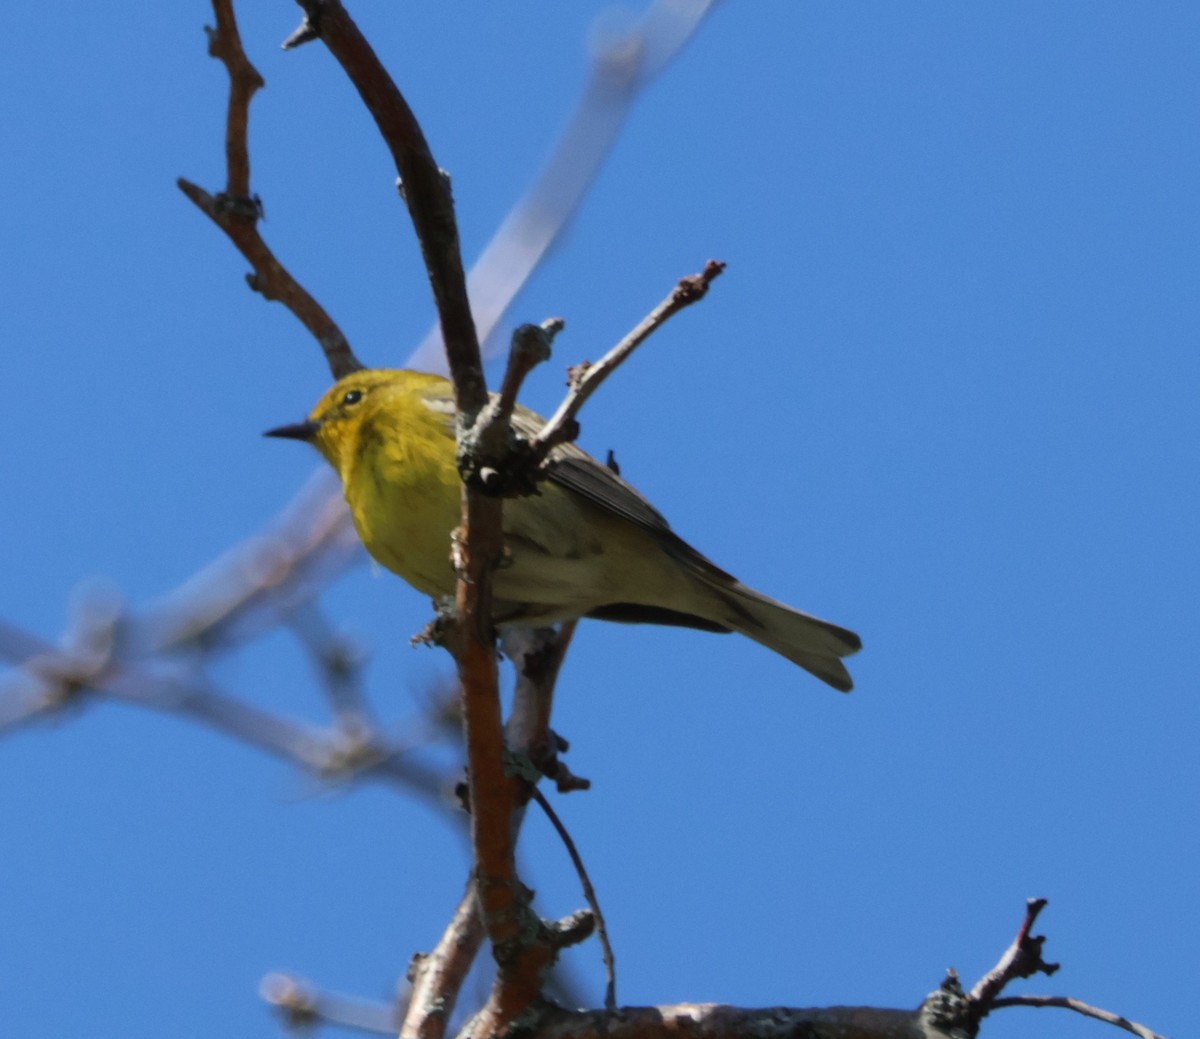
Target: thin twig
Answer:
[[254, 586], [588, 377], [1066, 1003], [589, 893], [1023, 959], [236, 212], [426, 192]]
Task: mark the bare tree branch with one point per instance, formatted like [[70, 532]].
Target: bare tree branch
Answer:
[[1022, 959], [236, 212], [586, 378], [50, 679], [589, 894], [1066, 1003], [622, 67], [714, 1021], [438, 976], [425, 190], [254, 586]]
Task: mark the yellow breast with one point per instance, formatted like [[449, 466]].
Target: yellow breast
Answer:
[[404, 492]]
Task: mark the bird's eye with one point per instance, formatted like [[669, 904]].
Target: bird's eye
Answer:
[[352, 397]]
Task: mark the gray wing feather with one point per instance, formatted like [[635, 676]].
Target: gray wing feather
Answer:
[[581, 473]]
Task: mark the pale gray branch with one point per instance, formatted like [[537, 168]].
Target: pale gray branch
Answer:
[[622, 66]]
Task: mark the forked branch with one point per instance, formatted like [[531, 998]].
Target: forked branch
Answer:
[[1023, 959], [438, 976], [237, 212]]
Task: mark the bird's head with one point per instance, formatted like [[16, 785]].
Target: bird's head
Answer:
[[335, 425]]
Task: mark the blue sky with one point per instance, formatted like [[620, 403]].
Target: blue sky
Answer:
[[944, 395]]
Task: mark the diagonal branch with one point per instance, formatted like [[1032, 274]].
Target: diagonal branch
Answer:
[[236, 212], [622, 67], [425, 188], [438, 976], [586, 378]]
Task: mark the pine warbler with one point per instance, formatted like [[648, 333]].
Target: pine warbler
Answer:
[[587, 545]]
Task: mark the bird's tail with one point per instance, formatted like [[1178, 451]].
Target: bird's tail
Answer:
[[814, 644]]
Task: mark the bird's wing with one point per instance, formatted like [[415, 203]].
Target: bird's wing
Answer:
[[574, 469]]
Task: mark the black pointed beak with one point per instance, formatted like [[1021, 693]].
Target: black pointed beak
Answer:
[[296, 431]]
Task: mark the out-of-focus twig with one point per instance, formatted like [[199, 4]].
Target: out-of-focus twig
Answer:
[[46, 680], [253, 587], [302, 1005], [622, 67], [338, 663]]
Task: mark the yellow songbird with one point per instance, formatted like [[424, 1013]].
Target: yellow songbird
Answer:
[[586, 545]]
